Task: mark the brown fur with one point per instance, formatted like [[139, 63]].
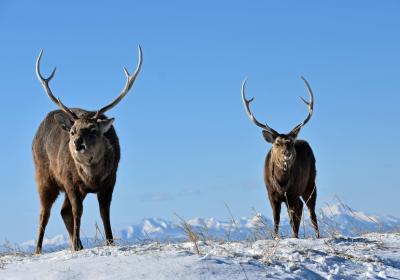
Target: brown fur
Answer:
[[77, 152], [289, 171], [289, 174], [60, 167]]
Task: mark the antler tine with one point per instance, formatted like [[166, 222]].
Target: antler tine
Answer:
[[310, 105], [45, 84], [130, 79], [250, 114]]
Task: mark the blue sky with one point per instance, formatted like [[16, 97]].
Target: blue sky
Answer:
[[187, 144]]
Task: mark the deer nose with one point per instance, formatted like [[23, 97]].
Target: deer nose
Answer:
[[287, 154], [79, 146]]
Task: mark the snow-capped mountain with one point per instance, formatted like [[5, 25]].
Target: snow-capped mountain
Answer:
[[163, 230], [342, 219], [333, 220]]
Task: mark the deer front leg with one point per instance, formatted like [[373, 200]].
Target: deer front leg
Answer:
[[76, 201], [276, 212], [104, 199], [66, 214]]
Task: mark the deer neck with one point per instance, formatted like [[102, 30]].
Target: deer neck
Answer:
[[281, 164], [281, 176], [95, 168], [281, 172]]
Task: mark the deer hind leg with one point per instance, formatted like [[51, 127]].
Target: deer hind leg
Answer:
[[47, 197], [66, 214], [311, 199], [104, 199]]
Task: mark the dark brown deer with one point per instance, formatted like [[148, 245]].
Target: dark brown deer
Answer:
[[77, 152], [289, 171]]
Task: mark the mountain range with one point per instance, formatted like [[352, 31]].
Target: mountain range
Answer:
[[335, 219]]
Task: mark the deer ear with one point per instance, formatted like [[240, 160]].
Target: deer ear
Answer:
[[268, 136], [105, 125], [64, 121]]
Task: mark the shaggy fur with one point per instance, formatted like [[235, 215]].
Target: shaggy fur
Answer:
[[289, 174], [289, 171], [62, 166]]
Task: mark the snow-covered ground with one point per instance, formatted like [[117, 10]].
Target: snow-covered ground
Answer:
[[375, 256], [230, 249]]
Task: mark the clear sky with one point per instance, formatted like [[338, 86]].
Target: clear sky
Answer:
[[187, 145]]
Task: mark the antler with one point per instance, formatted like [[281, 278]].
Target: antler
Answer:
[[250, 114], [310, 106], [45, 84], [130, 79]]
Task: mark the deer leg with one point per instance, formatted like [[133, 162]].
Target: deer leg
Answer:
[[66, 214], [76, 201], [298, 212], [295, 210], [47, 198], [310, 202], [276, 212], [104, 199]]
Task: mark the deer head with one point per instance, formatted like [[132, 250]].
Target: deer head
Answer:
[[283, 151], [86, 142]]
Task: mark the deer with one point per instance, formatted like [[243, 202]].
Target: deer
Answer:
[[289, 169], [76, 151]]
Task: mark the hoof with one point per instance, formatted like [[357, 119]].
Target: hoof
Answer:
[[110, 242], [77, 246]]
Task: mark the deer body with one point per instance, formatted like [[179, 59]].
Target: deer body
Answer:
[[53, 157], [289, 171], [76, 152], [287, 186], [56, 170]]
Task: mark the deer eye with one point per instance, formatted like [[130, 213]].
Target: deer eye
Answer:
[[72, 132], [92, 131]]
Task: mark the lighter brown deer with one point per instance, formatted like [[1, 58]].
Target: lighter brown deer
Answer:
[[77, 152]]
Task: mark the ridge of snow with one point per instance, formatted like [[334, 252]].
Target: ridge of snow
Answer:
[[369, 256]]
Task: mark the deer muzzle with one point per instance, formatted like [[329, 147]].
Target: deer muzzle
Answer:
[[80, 145]]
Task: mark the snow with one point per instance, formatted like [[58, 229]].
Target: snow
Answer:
[[370, 256], [354, 246]]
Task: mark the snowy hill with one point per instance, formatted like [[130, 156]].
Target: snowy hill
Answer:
[[334, 220], [228, 249], [371, 256]]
